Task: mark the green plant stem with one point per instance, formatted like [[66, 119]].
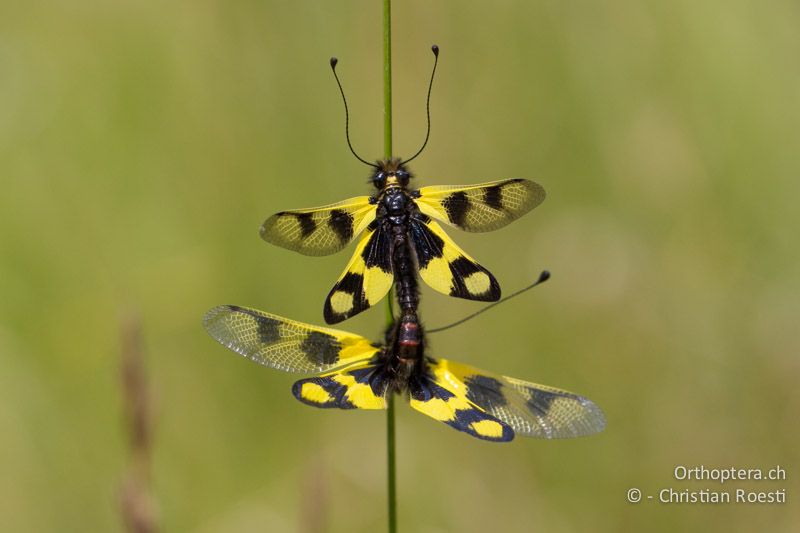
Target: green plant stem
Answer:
[[387, 78], [387, 151], [392, 496]]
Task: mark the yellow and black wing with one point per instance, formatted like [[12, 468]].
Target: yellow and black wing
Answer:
[[366, 279], [529, 409], [481, 207], [285, 344], [446, 267], [352, 388], [446, 401], [319, 230]]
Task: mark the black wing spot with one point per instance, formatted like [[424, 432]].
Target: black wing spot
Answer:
[[485, 391], [372, 376], [427, 244], [378, 251], [321, 348], [418, 389], [362, 375], [307, 223], [463, 268], [457, 205], [541, 401], [465, 418], [268, 331], [351, 283], [493, 197], [341, 222], [422, 387], [336, 390], [438, 391]]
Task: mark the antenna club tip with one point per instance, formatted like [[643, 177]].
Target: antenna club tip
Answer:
[[544, 276], [334, 61], [435, 50]]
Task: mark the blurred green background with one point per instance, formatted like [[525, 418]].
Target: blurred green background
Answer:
[[143, 143]]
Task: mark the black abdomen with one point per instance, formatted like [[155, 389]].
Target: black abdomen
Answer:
[[405, 274]]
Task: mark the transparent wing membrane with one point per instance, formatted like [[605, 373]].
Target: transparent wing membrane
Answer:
[[319, 230], [481, 207], [287, 345], [530, 409]]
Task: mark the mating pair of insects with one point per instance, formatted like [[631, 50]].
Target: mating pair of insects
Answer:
[[402, 238]]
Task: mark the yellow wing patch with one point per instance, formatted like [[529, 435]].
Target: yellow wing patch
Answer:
[[314, 393], [285, 344], [529, 409], [445, 400], [347, 361], [319, 230], [366, 278], [353, 375], [446, 267], [348, 389], [481, 207]]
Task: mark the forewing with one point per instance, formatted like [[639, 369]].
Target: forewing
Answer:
[[366, 279], [443, 398], [446, 267], [353, 388], [319, 230], [530, 409], [481, 207], [285, 344]]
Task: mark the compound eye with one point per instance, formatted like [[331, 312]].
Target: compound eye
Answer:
[[402, 176], [379, 179]]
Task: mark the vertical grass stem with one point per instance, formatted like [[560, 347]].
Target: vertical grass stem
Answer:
[[387, 152]]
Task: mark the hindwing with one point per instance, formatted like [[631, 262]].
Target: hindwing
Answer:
[[481, 207], [366, 279], [285, 344], [447, 402], [446, 267], [319, 230], [530, 409], [353, 388], [353, 375]]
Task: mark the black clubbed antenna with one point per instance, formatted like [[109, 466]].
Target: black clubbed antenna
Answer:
[[435, 50], [544, 276], [334, 61]]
